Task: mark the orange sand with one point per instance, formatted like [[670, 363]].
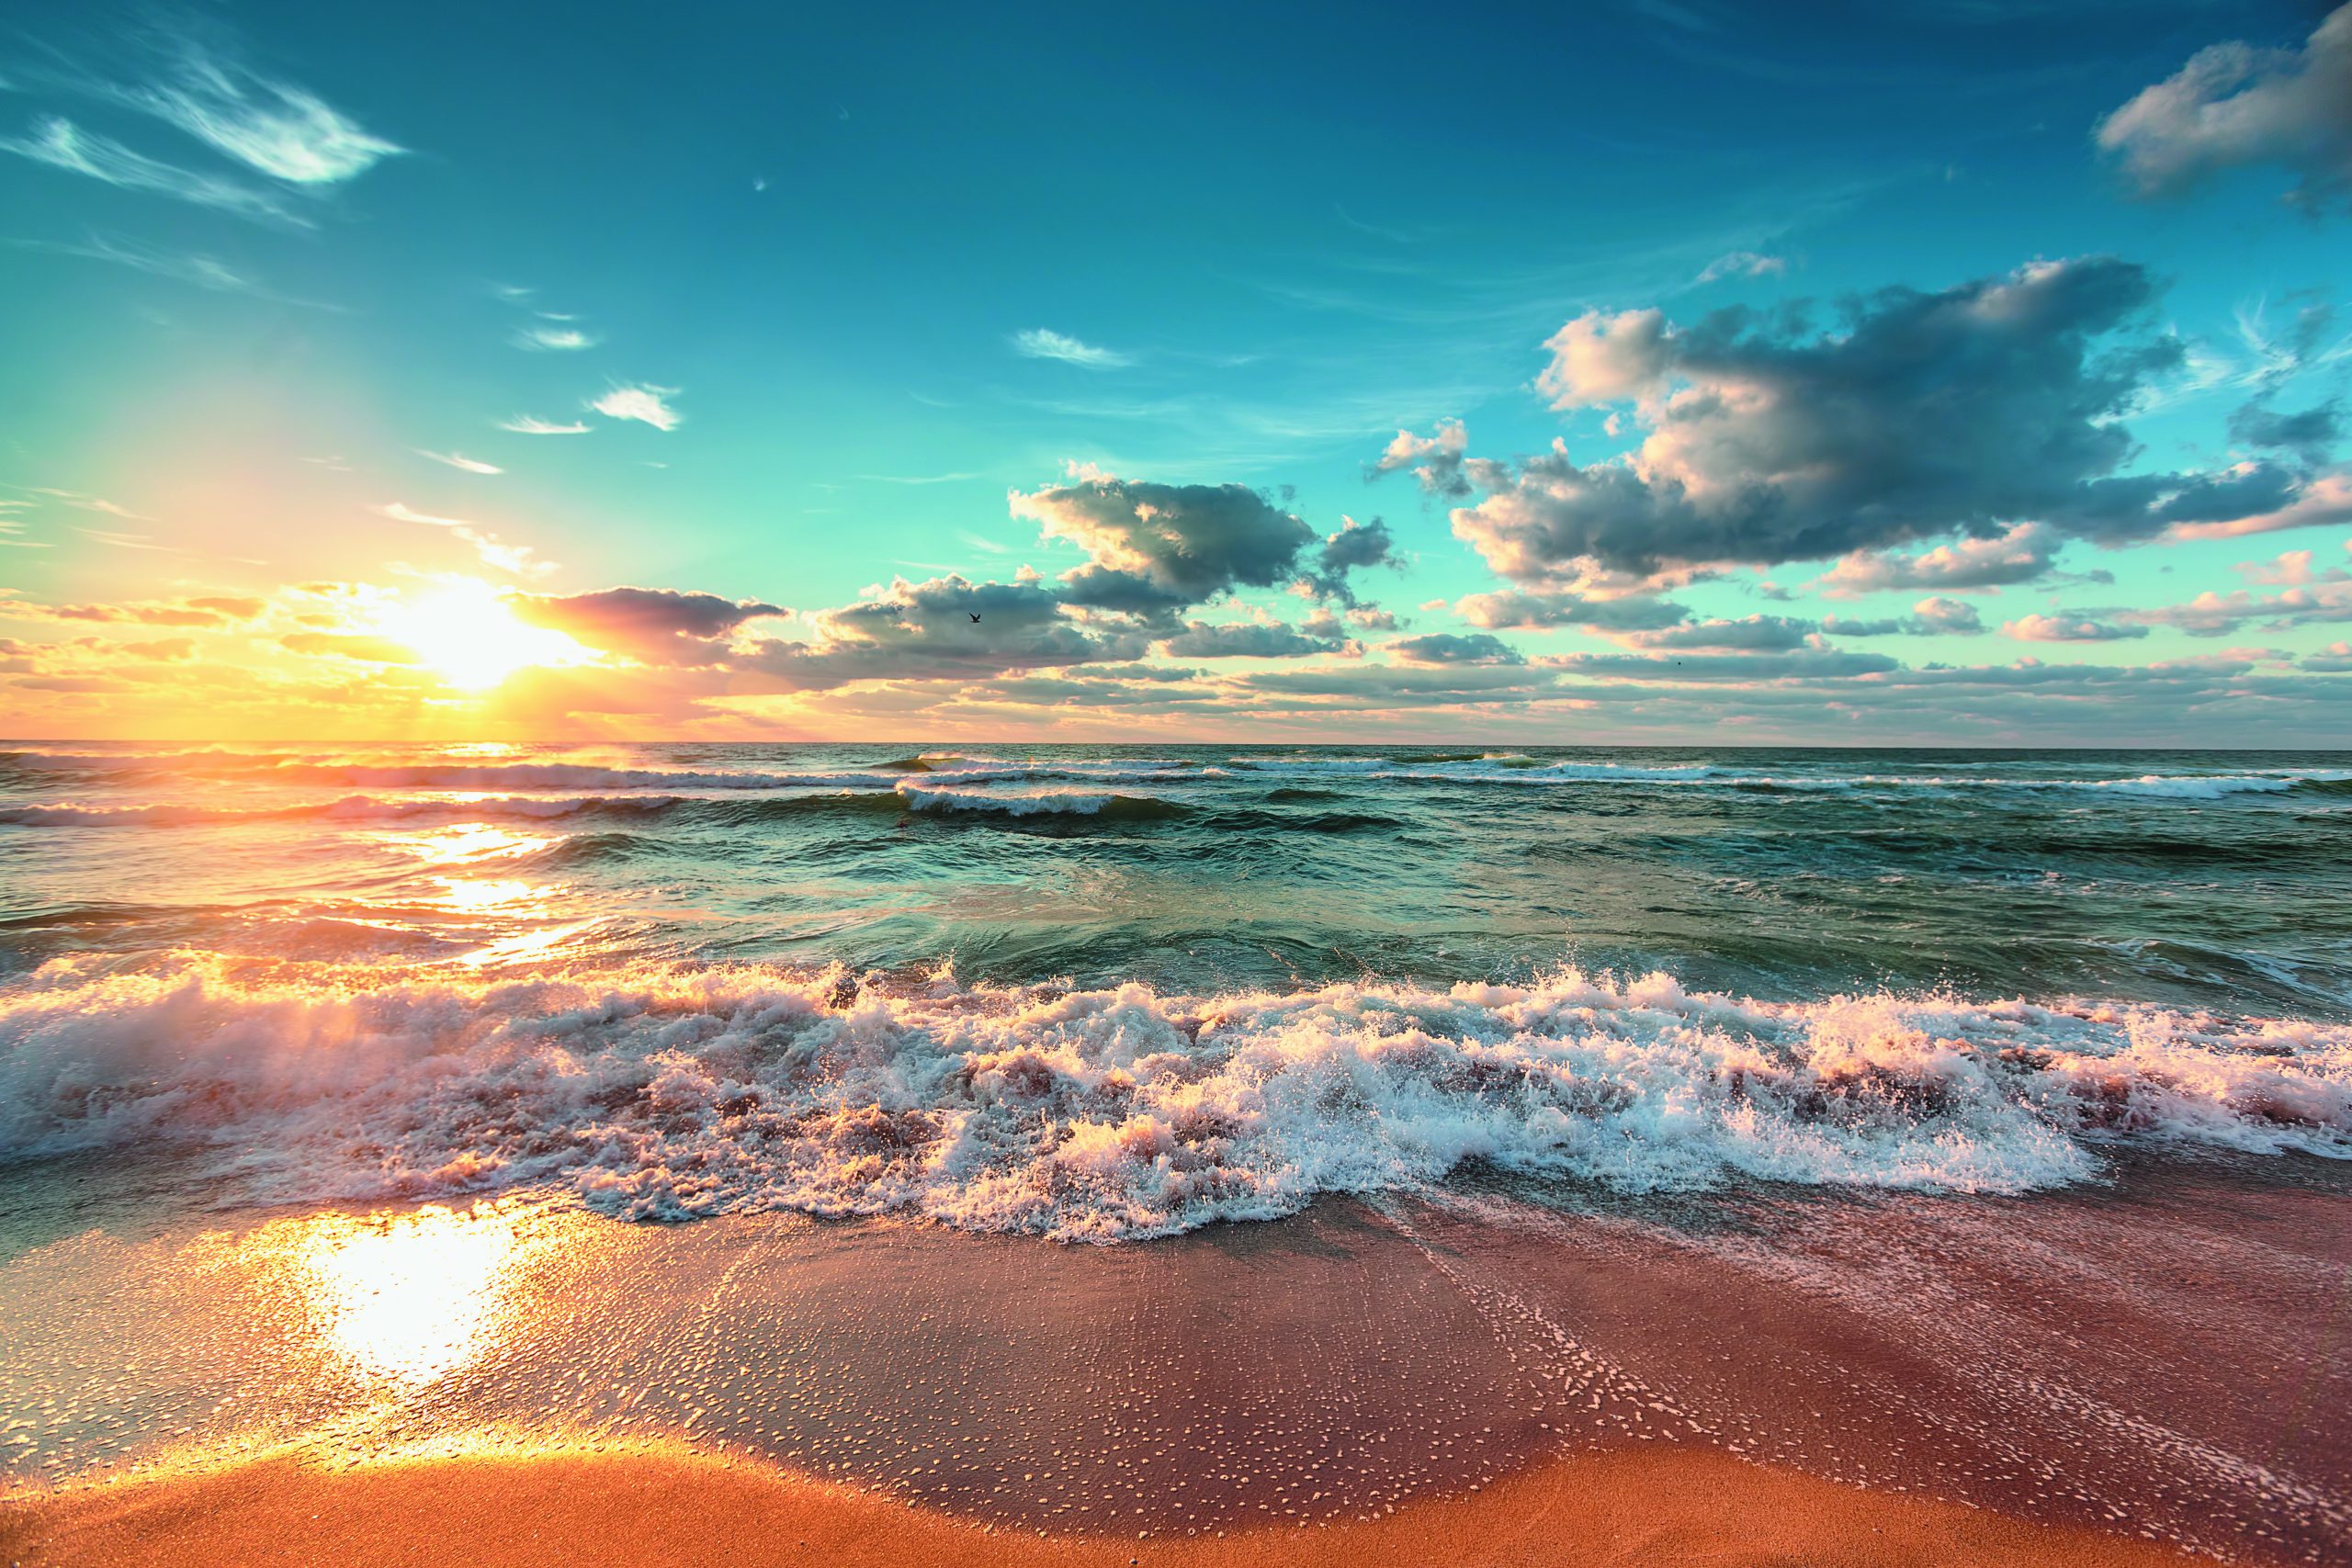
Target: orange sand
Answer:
[[656, 1508]]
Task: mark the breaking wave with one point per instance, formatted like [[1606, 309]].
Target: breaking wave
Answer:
[[667, 1092]]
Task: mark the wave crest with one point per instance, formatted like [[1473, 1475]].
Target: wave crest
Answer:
[[668, 1092]]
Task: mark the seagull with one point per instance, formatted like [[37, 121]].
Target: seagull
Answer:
[[976, 617]]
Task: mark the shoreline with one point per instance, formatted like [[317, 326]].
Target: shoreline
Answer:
[[656, 1503]]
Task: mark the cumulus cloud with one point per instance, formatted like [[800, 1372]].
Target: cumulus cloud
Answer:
[[652, 626], [925, 631], [1435, 459], [1245, 639], [1509, 611], [646, 404], [1754, 634], [1038, 343], [1354, 547], [1966, 410], [2019, 554], [2310, 434], [205, 612], [1805, 663], [2291, 568], [2325, 499], [2235, 104], [2064, 627], [2326, 598], [2336, 658], [1936, 616], [1451, 647], [357, 647], [1157, 545]]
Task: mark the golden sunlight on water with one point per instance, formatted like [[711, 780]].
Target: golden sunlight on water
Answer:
[[461, 842], [408, 1298], [545, 944], [512, 894]]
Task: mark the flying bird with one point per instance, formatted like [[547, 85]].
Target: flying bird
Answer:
[[976, 617]]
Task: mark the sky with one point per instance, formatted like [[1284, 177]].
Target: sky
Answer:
[[1971, 372]]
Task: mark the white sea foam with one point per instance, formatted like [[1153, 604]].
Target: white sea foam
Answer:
[[1105, 1115], [928, 796]]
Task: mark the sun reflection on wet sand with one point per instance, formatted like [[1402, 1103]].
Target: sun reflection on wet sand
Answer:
[[409, 1297]]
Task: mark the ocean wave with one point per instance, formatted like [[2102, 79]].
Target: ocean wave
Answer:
[[2162, 787], [1037, 803], [654, 1092]]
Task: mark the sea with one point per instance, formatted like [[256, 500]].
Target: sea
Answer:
[[1108, 994]]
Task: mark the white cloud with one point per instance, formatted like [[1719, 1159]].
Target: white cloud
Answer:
[[1038, 343], [1744, 264], [93, 503], [642, 404], [2234, 105], [400, 511], [520, 560], [531, 425], [1605, 359], [556, 338], [460, 460], [62, 144], [285, 132], [202, 271], [2062, 628], [2021, 554]]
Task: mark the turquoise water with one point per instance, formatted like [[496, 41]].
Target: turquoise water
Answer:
[[2194, 878], [1112, 992]]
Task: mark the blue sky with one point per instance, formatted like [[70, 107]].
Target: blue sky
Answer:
[[1100, 322]]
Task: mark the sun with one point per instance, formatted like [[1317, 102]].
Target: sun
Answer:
[[465, 633]]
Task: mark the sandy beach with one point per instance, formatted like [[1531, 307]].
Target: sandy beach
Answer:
[[656, 1507], [2108, 1376]]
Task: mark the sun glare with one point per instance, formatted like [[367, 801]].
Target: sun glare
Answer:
[[464, 632]]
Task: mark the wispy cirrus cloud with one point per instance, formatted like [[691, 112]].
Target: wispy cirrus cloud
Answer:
[[519, 560], [646, 404], [62, 144], [541, 338], [460, 460], [1743, 263], [1040, 343], [85, 502], [284, 131], [200, 271], [531, 425]]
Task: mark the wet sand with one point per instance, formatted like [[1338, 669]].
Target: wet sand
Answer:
[[1773, 1377], [648, 1509]]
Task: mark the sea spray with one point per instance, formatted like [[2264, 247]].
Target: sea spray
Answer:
[[664, 1092]]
